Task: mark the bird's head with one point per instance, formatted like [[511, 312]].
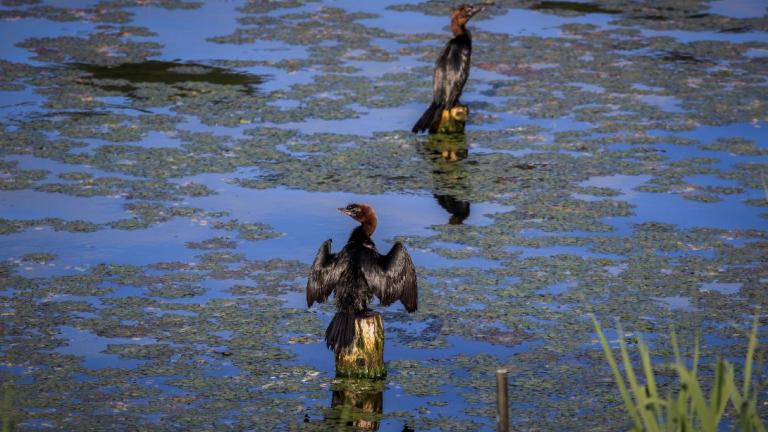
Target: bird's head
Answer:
[[463, 13], [359, 212]]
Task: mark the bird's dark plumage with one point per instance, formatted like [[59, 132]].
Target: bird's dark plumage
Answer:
[[356, 274], [451, 70]]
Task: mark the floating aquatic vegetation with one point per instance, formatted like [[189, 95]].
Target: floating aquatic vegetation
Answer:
[[302, 28], [213, 243], [40, 258], [56, 223], [739, 146], [260, 6], [86, 186], [105, 11], [97, 49], [13, 178], [247, 231], [53, 13], [443, 8]]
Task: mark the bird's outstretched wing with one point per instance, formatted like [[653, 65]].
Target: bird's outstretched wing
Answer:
[[322, 276], [392, 277]]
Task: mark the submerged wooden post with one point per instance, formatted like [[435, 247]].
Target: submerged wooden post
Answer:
[[453, 120], [502, 407], [365, 357]]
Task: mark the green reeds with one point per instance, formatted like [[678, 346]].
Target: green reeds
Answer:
[[690, 409], [8, 419]]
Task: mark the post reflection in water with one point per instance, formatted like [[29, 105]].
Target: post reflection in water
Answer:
[[446, 152], [357, 403]]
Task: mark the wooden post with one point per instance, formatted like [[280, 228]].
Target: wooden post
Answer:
[[502, 407], [365, 357], [453, 120]]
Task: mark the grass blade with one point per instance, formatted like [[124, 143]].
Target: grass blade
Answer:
[[700, 407], [618, 377], [748, 361], [644, 406]]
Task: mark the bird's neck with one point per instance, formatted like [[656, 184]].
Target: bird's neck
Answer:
[[458, 29], [361, 237], [369, 224]]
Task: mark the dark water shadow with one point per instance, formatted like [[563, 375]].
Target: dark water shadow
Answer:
[[574, 7], [166, 72], [738, 29], [681, 57]]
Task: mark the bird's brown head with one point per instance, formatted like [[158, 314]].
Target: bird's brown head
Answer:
[[462, 14], [362, 213]]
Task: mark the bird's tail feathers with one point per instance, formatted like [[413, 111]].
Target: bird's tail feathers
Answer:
[[340, 332], [429, 119]]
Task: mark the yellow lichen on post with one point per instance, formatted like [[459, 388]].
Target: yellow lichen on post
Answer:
[[365, 357], [453, 120]]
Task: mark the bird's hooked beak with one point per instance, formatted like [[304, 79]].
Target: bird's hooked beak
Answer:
[[474, 9], [345, 211]]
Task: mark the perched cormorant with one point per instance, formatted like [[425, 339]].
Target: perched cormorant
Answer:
[[451, 70], [357, 273]]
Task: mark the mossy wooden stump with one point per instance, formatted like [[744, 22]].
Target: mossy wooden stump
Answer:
[[453, 120], [365, 357]]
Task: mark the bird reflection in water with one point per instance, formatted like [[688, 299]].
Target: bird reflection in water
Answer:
[[356, 403], [446, 153]]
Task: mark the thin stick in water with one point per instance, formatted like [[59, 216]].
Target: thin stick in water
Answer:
[[502, 407]]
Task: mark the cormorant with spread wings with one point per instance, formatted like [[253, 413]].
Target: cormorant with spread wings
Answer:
[[357, 273]]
